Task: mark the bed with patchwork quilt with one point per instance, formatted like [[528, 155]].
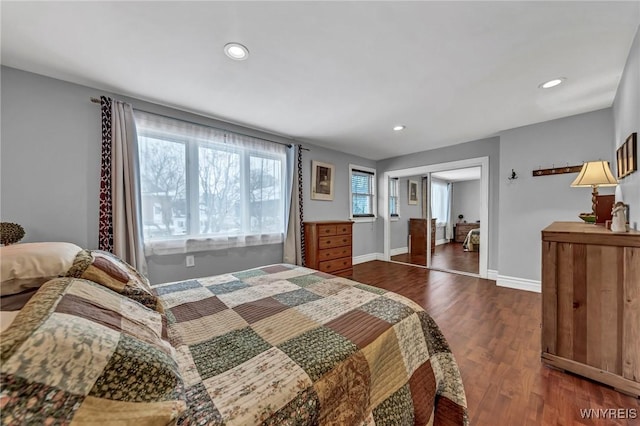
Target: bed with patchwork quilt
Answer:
[[279, 344]]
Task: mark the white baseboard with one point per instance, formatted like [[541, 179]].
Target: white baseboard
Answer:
[[492, 274], [519, 283], [440, 242], [399, 250], [367, 258]]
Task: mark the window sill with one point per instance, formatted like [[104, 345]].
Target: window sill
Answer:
[[394, 219], [194, 245], [363, 219]]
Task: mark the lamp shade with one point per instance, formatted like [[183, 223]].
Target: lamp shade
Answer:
[[594, 174]]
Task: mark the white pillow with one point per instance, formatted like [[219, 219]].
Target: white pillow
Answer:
[[29, 265]]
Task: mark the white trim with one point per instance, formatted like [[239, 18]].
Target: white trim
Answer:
[[519, 283], [492, 274], [362, 219], [483, 162], [443, 241], [374, 193], [399, 250], [365, 258]]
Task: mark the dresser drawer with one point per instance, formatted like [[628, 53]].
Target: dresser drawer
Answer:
[[325, 230], [334, 253], [343, 229], [335, 241], [335, 265]]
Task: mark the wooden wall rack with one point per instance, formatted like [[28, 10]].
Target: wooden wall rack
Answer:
[[557, 171]]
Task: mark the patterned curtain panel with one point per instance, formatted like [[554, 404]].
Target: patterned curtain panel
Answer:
[[120, 221], [294, 234], [300, 205], [105, 223]]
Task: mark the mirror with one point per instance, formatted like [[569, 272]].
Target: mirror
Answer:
[[441, 228], [455, 196]]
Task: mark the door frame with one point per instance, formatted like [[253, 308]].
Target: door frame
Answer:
[[482, 162]]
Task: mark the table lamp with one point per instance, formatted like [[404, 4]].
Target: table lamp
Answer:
[[595, 174]]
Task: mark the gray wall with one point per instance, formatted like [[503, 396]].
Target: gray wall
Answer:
[[50, 158], [626, 118], [399, 230], [50, 167], [50, 155], [466, 200], [364, 233], [481, 148], [529, 204]]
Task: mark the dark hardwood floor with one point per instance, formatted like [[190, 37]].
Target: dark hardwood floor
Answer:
[[449, 256], [494, 333]]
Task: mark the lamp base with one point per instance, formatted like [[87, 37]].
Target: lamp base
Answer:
[[594, 200]]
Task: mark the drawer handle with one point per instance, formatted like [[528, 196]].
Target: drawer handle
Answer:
[[327, 231]]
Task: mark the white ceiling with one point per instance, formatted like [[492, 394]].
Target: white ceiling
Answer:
[[338, 74], [458, 175]]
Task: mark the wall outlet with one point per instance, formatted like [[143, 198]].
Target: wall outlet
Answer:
[[190, 261]]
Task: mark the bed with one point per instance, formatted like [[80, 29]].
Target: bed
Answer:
[[472, 240], [279, 344]]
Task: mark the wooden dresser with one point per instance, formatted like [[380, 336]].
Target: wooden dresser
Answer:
[[591, 303], [462, 229], [418, 236], [328, 246]]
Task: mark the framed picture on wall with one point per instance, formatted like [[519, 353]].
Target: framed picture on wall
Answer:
[[322, 179], [632, 152], [627, 156], [413, 192], [620, 163]]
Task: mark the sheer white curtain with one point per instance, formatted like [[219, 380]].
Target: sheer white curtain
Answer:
[[125, 186], [207, 189], [441, 204]]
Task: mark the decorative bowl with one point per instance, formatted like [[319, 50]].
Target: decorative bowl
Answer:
[[588, 217]]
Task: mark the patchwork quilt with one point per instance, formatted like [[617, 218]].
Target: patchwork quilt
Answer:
[[81, 353], [277, 345], [472, 240], [288, 345]]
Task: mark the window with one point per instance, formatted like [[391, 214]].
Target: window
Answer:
[[363, 192], [393, 198], [205, 189]]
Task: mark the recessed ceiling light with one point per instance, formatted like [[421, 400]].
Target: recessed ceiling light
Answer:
[[398, 127], [236, 51], [552, 83]]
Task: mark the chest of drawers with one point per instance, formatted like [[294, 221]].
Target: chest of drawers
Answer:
[[591, 303], [328, 246], [462, 229], [418, 236]]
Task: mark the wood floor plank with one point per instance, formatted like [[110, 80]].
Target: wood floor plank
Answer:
[[450, 256], [494, 333]]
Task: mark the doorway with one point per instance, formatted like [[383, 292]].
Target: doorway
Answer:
[[446, 248]]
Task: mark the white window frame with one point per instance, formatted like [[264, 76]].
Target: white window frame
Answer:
[[374, 200], [395, 182]]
